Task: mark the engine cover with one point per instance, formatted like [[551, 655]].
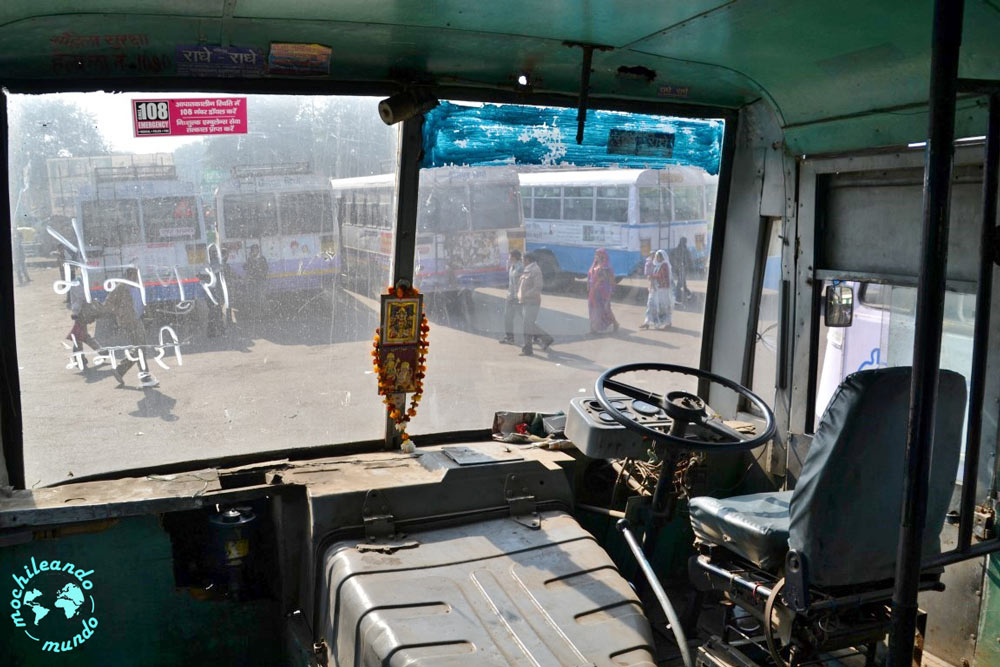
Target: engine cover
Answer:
[[489, 593]]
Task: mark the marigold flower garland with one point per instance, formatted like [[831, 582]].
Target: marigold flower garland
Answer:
[[385, 384]]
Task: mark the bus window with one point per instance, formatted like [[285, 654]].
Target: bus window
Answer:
[[667, 207], [578, 203], [765, 346], [491, 206], [612, 204], [881, 335], [548, 203], [250, 216], [170, 218], [305, 212], [688, 203], [711, 193], [649, 205], [526, 199], [110, 223], [386, 203], [447, 208]]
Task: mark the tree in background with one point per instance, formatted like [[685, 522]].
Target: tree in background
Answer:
[[43, 127]]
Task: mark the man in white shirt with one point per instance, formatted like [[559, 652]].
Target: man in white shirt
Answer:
[[529, 295]]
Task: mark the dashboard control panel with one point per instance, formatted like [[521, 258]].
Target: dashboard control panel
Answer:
[[599, 436]]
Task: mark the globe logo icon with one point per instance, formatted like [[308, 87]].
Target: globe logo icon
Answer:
[[53, 604]]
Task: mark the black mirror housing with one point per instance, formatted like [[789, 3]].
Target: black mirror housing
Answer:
[[839, 310]]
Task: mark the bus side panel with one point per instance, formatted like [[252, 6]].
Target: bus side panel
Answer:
[[446, 262], [297, 263]]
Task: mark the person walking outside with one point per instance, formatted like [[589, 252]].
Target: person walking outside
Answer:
[[256, 269], [229, 276], [125, 303], [659, 304], [83, 313], [219, 311], [682, 263], [529, 295], [512, 308], [601, 285], [19, 259]]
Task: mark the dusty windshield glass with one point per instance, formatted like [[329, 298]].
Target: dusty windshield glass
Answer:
[[216, 293], [184, 297], [570, 274]]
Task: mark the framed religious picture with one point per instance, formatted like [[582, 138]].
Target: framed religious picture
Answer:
[[399, 368], [401, 320]]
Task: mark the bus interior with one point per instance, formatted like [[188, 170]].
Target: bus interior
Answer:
[[747, 252]]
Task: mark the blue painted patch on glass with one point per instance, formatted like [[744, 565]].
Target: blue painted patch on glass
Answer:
[[507, 134]]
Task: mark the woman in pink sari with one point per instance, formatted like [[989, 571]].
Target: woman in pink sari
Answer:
[[601, 283]]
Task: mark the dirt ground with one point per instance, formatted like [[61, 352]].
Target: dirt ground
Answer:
[[302, 376]]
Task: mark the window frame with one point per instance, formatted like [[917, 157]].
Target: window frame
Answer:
[[11, 429]]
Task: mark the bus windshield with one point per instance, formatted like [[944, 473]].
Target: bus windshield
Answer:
[[303, 212], [217, 295]]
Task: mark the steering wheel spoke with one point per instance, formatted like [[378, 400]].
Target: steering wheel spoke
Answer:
[[636, 393], [720, 428], [684, 408]]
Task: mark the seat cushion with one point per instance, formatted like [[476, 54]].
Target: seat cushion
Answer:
[[753, 526]]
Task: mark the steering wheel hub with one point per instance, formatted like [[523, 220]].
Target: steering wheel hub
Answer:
[[685, 406]]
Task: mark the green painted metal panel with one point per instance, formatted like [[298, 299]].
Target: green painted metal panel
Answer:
[[988, 644], [840, 76], [142, 618], [613, 22]]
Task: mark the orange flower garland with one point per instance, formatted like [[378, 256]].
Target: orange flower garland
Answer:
[[400, 417]]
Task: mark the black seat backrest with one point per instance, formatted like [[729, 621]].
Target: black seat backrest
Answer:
[[846, 506]]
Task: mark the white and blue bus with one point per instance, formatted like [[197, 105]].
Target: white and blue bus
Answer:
[[287, 211], [467, 221], [568, 214], [146, 218]]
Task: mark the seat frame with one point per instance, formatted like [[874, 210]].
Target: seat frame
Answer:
[[806, 621]]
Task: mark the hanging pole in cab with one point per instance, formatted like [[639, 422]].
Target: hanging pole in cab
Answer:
[[407, 186], [588, 57], [945, 46], [981, 333]]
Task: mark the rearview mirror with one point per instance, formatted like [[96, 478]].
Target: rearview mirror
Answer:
[[839, 310]]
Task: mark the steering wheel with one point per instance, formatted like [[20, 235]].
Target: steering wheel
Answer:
[[684, 409]]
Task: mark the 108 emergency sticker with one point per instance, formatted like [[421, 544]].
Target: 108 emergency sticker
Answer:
[[187, 116]]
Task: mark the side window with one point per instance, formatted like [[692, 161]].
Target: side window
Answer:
[[612, 204], [881, 335], [250, 216], [689, 203], [765, 339], [548, 204], [649, 205], [578, 203]]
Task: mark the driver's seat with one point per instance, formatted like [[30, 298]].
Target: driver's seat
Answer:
[[843, 515]]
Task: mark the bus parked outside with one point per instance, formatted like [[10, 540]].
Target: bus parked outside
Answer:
[[631, 212], [467, 221], [286, 211], [144, 217]]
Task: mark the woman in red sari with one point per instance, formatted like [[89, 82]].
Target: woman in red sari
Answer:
[[601, 283]]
